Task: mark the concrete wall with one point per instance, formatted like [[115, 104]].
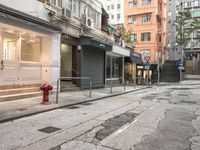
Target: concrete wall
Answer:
[[31, 7]]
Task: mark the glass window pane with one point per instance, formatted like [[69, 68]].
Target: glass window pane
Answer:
[[9, 46], [108, 67], [30, 48]]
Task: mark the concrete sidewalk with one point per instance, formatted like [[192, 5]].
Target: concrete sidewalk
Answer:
[[11, 110]]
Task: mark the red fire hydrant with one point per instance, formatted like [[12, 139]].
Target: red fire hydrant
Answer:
[[46, 88]]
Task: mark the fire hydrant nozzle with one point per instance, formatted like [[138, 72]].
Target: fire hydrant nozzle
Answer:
[[46, 88]]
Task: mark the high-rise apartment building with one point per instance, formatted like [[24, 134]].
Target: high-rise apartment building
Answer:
[[192, 49], [174, 54], [115, 9], [147, 18]]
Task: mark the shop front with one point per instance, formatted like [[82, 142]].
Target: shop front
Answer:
[[29, 52], [70, 57], [115, 65], [133, 68], [92, 63]]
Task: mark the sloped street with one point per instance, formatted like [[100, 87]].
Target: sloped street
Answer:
[[158, 118]]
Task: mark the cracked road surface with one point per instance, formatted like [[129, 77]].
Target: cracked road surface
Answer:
[[159, 118]]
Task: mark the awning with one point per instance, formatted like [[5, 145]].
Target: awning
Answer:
[[119, 51], [134, 58], [21, 17], [91, 41]]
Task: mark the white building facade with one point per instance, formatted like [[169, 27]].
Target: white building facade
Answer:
[[30, 46], [115, 9]]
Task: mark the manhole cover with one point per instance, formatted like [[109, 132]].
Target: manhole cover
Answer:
[[188, 102], [86, 104], [49, 129], [72, 107]]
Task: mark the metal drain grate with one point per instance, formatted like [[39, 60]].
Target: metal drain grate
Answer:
[[182, 94], [180, 88], [72, 107], [49, 129], [86, 104], [22, 109], [163, 98], [148, 97], [188, 102]]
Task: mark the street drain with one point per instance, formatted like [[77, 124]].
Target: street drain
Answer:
[[86, 104], [22, 109], [72, 107], [163, 98], [148, 97], [188, 102], [112, 124], [49, 129], [154, 93], [180, 88], [182, 94]]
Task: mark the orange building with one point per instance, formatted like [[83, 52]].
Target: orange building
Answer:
[[147, 18]]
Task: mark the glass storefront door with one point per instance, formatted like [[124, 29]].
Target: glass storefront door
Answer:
[[9, 57], [19, 58]]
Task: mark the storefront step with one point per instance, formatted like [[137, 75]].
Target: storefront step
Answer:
[[18, 91], [17, 86], [19, 96]]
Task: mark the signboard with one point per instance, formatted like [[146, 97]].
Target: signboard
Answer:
[[181, 68], [145, 56]]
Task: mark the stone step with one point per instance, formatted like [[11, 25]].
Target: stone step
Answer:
[[19, 96], [19, 91]]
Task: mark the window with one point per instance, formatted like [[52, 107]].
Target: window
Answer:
[[9, 46], [197, 3], [118, 6], [112, 16], [187, 4], [112, 6], [146, 18], [30, 48], [116, 67], [94, 14], [132, 20], [132, 4], [146, 2], [73, 5], [133, 37], [57, 3], [196, 13], [118, 16], [108, 7], [146, 36]]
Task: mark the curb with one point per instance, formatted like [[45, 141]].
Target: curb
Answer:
[[67, 105]]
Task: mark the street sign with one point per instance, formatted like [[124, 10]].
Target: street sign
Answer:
[[180, 65], [181, 68]]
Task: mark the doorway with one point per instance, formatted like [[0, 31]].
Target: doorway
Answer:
[[9, 57]]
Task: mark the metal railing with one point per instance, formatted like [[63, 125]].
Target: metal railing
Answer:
[[76, 78]]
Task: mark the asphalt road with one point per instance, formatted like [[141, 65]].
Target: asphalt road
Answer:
[[160, 118]]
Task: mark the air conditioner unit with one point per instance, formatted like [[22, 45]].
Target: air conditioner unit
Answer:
[[66, 13], [89, 22]]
